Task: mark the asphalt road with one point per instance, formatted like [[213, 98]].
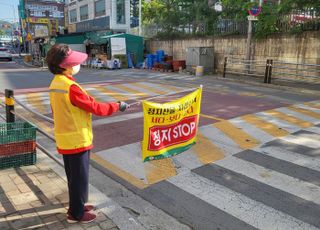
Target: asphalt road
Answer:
[[255, 165]]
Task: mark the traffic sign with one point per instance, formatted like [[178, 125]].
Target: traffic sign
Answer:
[[252, 18], [255, 10]]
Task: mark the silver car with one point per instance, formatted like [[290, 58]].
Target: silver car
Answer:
[[5, 54]]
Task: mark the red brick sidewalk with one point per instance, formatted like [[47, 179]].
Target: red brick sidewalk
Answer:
[[35, 197]]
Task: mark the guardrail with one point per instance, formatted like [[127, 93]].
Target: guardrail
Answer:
[[270, 70]]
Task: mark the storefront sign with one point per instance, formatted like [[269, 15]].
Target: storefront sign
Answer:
[[95, 24], [170, 128]]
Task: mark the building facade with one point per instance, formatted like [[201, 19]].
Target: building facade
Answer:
[[42, 18], [98, 15]]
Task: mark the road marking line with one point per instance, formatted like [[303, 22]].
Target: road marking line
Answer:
[[265, 126], [206, 151], [314, 129], [294, 120], [303, 140], [250, 94], [220, 139], [236, 204], [252, 130], [312, 104], [283, 182], [302, 106], [305, 112], [290, 156], [297, 115], [279, 122], [159, 170], [133, 92], [146, 91], [212, 117], [111, 93], [36, 101], [244, 140], [171, 87], [119, 172], [149, 88]]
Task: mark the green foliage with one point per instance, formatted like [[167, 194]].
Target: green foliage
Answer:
[[267, 23], [2, 32], [175, 18]]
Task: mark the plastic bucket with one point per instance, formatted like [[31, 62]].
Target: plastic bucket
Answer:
[[199, 71]]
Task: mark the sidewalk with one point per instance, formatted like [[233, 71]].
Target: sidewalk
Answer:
[[36, 197]]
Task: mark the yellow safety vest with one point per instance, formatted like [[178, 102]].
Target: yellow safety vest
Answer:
[[72, 125]]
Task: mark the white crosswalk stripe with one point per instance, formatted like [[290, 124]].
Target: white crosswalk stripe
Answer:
[[236, 204]]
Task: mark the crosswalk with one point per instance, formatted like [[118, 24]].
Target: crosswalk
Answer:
[[147, 75], [273, 186], [256, 171], [216, 141]]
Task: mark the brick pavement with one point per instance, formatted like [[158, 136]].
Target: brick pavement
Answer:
[[35, 197]]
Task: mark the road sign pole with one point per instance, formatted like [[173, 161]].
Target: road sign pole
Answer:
[[249, 39]]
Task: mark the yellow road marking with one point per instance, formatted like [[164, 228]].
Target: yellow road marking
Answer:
[[206, 151], [159, 170], [171, 87], [313, 105], [265, 126], [112, 93], [36, 101], [133, 92], [97, 98], [149, 88], [119, 172], [244, 140], [249, 94], [212, 117], [306, 112], [289, 118]]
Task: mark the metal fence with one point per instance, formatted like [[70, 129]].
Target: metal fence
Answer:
[[270, 70]]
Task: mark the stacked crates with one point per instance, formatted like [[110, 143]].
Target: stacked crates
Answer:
[[17, 144]]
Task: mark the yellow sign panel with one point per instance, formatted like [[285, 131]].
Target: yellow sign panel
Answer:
[[38, 20], [29, 37], [170, 128]]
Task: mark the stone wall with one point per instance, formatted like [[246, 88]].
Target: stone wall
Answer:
[[302, 48]]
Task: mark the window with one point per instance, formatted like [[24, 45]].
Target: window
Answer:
[[121, 12], [99, 8], [73, 15], [84, 13]]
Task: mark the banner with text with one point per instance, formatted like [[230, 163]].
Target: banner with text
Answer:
[[170, 128]]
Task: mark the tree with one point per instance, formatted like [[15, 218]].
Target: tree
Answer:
[[2, 32]]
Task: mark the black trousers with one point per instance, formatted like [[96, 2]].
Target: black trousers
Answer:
[[77, 171]]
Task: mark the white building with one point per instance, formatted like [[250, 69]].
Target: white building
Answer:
[[97, 15]]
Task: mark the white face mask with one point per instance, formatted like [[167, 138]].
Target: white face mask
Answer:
[[75, 70]]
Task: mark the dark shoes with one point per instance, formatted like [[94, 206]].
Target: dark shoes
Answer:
[[87, 217]]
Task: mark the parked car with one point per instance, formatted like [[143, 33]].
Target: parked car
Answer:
[[5, 54]]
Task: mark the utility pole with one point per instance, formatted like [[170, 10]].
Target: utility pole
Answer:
[[140, 18], [28, 25]]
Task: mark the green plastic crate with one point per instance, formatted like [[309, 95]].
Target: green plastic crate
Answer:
[[17, 132], [18, 160]]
